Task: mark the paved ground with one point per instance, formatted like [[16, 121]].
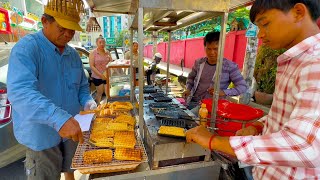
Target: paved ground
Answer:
[[14, 171]]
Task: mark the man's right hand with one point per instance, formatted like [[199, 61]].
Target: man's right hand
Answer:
[[186, 93], [71, 130]]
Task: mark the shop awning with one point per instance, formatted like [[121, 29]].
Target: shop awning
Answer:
[[166, 15]]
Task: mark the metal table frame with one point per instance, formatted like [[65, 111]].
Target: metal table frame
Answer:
[[147, 16]]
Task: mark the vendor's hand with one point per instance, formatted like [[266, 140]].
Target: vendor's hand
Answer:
[[71, 130], [90, 105], [248, 131], [186, 93], [199, 135], [211, 91]]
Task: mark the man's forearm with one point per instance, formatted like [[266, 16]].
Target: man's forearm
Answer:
[[222, 144]]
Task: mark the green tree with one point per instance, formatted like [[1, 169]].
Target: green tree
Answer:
[[214, 24], [120, 38]]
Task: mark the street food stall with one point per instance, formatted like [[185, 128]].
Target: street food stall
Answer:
[[155, 140]]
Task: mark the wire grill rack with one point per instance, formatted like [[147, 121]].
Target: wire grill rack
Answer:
[[114, 166]]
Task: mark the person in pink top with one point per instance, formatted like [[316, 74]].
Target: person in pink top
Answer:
[[285, 144], [98, 60]]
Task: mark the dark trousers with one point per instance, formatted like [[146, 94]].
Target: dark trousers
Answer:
[[149, 73]]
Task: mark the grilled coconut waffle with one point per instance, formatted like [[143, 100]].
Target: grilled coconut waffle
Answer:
[[98, 127], [96, 135], [122, 106], [105, 113], [171, 131], [103, 138], [103, 106], [88, 112], [125, 119], [100, 124], [106, 142], [97, 156], [124, 139], [118, 126], [102, 120], [127, 154]]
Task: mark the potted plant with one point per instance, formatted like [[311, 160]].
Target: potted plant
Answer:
[[265, 74]]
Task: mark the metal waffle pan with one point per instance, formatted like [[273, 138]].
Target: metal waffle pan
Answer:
[[154, 95], [162, 99], [149, 90], [173, 113], [173, 122]]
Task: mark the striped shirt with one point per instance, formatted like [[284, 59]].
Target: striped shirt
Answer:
[[289, 147]]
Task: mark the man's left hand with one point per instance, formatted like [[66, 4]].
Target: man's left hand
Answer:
[[211, 91], [90, 105], [199, 135]]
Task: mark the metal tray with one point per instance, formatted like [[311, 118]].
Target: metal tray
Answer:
[[114, 166]]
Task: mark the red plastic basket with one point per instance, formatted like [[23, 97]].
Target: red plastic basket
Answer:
[[231, 116]]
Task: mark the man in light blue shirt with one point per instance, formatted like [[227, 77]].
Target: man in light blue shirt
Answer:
[[47, 87]]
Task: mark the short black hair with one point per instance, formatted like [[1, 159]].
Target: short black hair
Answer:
[[211, 37], [48, 17], [260, 6]]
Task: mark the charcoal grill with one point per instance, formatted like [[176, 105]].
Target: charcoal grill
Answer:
[[169, 151]]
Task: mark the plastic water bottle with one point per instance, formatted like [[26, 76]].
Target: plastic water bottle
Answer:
[[203, 114]]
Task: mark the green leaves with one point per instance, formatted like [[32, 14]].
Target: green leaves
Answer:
[[266, 68]]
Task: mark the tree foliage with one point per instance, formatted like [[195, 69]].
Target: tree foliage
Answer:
[[214, 24], [266, 68], [120, 38]]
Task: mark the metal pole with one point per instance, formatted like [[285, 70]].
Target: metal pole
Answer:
[[141, 78], [132, 75], [215, 97], [248, 68], [154, 38], [18, 28], [168, 62]]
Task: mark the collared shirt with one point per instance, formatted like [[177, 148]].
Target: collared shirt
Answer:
[[289, 147], [230, 73], [45, 89]]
